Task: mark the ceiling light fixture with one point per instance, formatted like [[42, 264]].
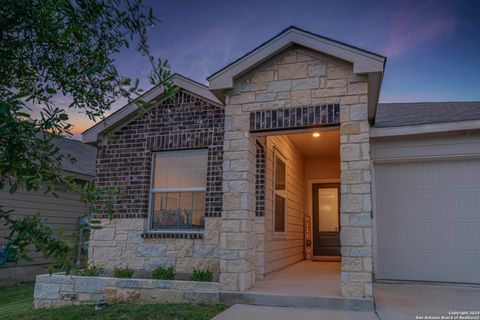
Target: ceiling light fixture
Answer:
[[316, 134]]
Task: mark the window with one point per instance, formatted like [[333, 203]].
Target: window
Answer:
[[280, 192], [177, 197]]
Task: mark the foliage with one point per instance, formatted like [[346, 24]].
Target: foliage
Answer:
[[164, 273], [202, 275], [53, 50], [16, 304], [90, 270], [126, 272]]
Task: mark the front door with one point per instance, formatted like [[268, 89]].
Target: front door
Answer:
[[326, 225]]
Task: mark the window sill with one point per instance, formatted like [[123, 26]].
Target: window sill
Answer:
[[173, 234]]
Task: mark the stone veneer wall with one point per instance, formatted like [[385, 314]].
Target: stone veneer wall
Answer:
[[124, 161], [297, 77], [61, 290]]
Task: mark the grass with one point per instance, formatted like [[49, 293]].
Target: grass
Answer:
[[16, 304], [16, 299]]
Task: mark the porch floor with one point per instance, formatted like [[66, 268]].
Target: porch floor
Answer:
[[305, 278]]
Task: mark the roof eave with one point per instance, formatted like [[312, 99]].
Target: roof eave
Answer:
[[364, 62], [91, 135], [424, 129]]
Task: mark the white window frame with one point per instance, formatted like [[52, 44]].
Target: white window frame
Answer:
[[279, 155], [152, 191]]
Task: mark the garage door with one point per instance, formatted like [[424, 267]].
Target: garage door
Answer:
[[428, 221]]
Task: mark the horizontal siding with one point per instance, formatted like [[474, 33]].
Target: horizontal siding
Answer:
[[417, 147], [282, 250], [60, 213]]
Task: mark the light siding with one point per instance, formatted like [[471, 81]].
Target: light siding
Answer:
[[61, 213], [285, 249]]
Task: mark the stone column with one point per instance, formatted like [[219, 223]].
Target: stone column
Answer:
[[237, 233], [356, 200]]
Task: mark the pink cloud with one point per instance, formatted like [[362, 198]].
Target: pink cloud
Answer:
[[413, 26]]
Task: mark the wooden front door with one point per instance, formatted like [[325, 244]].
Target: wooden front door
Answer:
[[326, 219]]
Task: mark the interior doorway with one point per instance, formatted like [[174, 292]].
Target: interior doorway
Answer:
[[326, 220]]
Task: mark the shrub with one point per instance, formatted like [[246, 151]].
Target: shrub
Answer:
[[202, 275], [163, 273], [123, 272], [91, 270]]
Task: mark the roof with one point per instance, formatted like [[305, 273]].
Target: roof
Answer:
[[85, 156], [420, 113], [364, 62], [125, 112], [297, 29]]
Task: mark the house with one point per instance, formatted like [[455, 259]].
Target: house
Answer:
[[59, 213], [287, 156]]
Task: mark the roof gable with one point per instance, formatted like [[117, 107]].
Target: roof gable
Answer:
[[363, 61], [198, 89]]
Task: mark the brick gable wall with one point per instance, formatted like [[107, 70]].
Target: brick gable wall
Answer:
[[183, 122]]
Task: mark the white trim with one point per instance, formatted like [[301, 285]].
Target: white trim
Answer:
[[424, 129], [92, 134], [363, 62], [427, 158], [374, 221]]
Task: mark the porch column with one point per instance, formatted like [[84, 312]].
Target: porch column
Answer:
[[356, 200], [237, 233]]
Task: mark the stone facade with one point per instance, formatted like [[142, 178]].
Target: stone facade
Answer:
[[124, 161], [120, 243], [234, 241], [60, 290], [297, 77]]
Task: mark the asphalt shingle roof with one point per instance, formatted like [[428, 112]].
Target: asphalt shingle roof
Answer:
[[84, 154], [416, 113]]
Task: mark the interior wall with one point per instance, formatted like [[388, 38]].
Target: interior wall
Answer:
[[285, 249]]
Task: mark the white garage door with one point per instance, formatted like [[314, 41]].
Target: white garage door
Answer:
[[428, 221]]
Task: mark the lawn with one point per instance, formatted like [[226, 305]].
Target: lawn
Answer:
[[16, 303]]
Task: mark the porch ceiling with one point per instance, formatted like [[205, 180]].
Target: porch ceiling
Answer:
[[327, 145]]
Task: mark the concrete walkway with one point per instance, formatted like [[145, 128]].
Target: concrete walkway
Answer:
[[247, 312], [406, 300], [402, 301]]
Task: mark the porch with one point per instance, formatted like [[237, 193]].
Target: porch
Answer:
[[304, 278], [305, 284]]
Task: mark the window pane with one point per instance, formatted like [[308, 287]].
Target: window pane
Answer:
[[172, 200], [280, 174], [199, 178], [160, 179], [178, 210], [200, 162], [279, 214], [180, 169], [185, 179]]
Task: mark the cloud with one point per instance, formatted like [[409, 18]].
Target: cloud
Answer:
[[416, 25], [201, 55]]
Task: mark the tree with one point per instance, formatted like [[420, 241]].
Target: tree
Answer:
[[61, 47]]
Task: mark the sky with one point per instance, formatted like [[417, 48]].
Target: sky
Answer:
[[432, 47]]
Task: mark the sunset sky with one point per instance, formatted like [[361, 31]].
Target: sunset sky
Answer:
[[433, 47]]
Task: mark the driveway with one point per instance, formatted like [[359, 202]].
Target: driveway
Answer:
[[403, 301], [247, 312]]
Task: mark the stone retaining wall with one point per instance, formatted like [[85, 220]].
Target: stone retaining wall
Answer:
[[60, 290]]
